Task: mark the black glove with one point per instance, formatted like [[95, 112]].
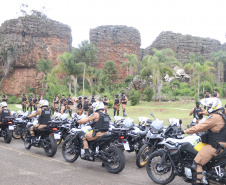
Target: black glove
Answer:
[[182, 132]]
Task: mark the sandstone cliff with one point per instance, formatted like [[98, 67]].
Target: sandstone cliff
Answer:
[[113, 42], [23, 42]]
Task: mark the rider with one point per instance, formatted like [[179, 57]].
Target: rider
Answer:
[[100, 125], [124, 102], [116, 105], [4, 111], [106, 102], [70, 104], [44, 116], [55, 103], [197, 111], [86, 105], [216, 94], [215, 138], [93, 100], [24, 102]]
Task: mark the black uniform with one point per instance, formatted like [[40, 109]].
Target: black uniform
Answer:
[[86, 105], [196, 111], [45, 116]]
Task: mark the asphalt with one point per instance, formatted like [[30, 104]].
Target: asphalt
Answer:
[[25, 167]]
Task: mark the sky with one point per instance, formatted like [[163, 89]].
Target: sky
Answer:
[[203, 18]]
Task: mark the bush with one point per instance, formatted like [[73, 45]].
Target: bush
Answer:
[[110, 104], [148, 94], [13, 100], [134, 97]]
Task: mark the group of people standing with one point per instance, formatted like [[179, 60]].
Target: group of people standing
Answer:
[[32, 102]]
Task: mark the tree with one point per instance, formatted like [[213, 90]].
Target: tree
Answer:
[[85, 53], [111, 72], [157, 66], [219, 59], [43, 67], [131, 64]]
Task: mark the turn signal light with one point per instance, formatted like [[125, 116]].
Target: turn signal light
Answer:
[[54, 128], [10, 122], [121, 137]]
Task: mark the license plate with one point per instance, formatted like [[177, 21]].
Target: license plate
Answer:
[[126, 146], [57, 135], [11, 127]]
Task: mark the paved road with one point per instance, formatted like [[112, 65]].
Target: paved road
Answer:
[[21, 167]]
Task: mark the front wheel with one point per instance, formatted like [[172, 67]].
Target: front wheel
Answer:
[[50, 146], [27, 140], [68, 151], [16, 134], [142, 156], [161, 174], [116, 160], [8, 135]]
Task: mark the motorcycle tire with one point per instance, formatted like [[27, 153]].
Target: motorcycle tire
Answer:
[[27, 141], [118, 158], [67, 151], [8, 136], [15, 135], [22, 134], [156, 172], [51, 149], [142, 156]]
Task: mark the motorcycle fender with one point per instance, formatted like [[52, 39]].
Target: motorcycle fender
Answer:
[[164, 153]]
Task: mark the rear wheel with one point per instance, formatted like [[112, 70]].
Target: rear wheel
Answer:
[[68, 151], [116, 160], [50, 146], [142, 156], [8, 135], [27, 139], [16, 134], [161, 174]]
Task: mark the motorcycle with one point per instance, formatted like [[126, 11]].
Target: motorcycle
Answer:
[[176, 159], [43, 138], [156, 134], [6, 129], [112, 158]]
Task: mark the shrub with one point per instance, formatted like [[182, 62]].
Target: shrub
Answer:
[[110, 104], [134, 97], [13, 100], [148, 94]]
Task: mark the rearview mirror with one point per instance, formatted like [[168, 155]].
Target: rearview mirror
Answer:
[[180, 121], [152, 115]]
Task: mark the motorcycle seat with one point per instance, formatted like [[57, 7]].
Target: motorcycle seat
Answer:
[[120, 130], [105, 136]]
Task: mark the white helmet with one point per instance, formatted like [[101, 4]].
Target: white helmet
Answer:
[[44, 103], [4, 104], [98, 106], [214, 104]]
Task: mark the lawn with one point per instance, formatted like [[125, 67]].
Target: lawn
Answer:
[[161, 110]]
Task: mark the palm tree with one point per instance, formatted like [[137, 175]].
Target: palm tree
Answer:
[[43, 67], [131, 64], [219, 59], [157, 66], [111, 72]]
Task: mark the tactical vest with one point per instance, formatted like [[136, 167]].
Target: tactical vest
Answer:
[[79, 106], [216, 137], [93, 100], [62, 100], [116, 101], [35, 100], [86, 105], [90, 111], [45, 116], [102, 125], [70, 102], [215, 95], [24, 99], [105, 102], [30, 100], [57, 101], [123, 99], [196, 111], [5, 113], [5, 100], [207, 96]]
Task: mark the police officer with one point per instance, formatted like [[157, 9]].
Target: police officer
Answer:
[[216, 94], [90, 109], [116, 105], [4, 99], [35, 103], [215, 138], [106, 102], [30, 103], [70, 104], [55, 103], [79, 106], [40, 98], [86, 105], [124, 100], [24, 103], [207, 95], [4, 111], [63, 107], [44, 116], [197, 111], [93, 100], [100, 126]]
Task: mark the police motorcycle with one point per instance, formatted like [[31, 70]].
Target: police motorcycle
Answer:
[[194, 120], [155, 135], [132, 136], [176, 159], [112, 158], [43, 138]]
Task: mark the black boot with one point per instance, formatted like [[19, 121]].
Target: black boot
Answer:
[[124, 113], [117, 112], [87, 154], [70, 111], [33, 140], [114, 112]]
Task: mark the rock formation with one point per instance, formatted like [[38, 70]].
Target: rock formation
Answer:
[[182, 45], [23, 42], [113, 42]]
